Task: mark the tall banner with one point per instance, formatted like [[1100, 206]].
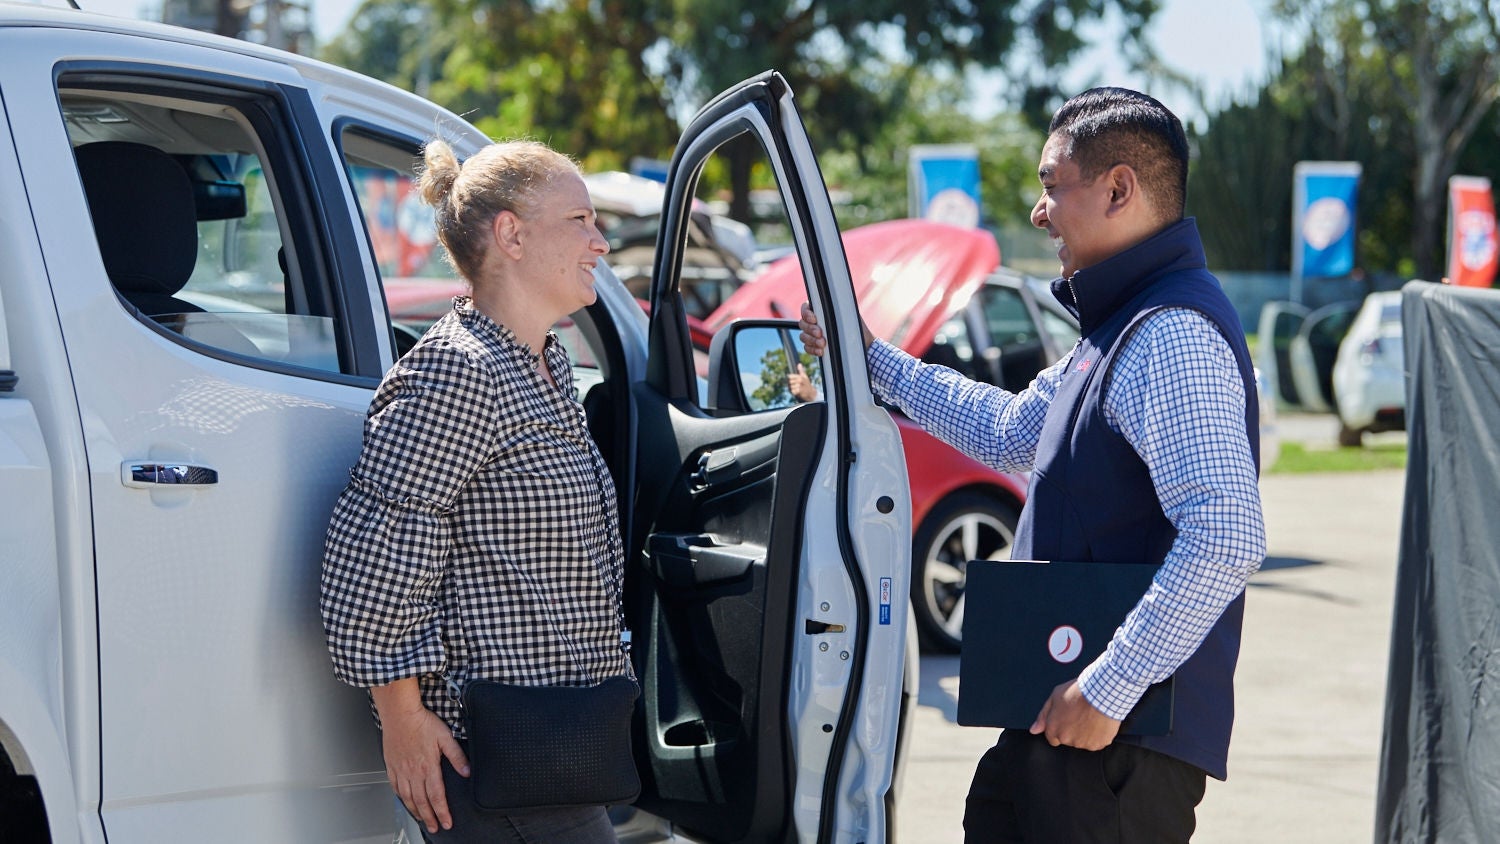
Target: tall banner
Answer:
[[1471, 232], [1323, 223], [943, 184]]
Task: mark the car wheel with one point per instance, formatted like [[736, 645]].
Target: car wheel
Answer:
[[962, 527], [1350, 437]]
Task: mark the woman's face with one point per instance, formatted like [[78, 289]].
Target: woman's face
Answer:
[[561, 244]]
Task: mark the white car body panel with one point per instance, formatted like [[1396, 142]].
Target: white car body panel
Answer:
[[1366, 382], [163, 672]]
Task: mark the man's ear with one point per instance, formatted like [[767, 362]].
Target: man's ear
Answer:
[[505, 231], [1124, 188]]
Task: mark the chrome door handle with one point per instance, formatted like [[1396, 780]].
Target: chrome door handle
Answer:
[[176, 474]]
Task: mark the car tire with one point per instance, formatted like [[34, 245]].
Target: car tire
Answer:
[[964, 526], [1350, 437]]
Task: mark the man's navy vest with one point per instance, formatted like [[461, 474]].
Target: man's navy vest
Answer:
[[1091, 497]]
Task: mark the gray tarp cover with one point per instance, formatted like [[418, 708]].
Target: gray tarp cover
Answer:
[[1440, 759]]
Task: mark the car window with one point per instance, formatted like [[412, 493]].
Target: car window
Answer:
[[952, 346], [722, 245], [1006, 316], [744, 229], [415, 277], [1061, 329], [190, 199]]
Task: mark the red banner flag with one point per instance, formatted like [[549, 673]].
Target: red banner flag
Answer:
[[1472, 248]]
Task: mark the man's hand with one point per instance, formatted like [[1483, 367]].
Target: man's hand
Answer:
[[812, 334], [414, 741], [801, 386], [1067, 718]]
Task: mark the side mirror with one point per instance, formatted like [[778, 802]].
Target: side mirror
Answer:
[[750, 366]]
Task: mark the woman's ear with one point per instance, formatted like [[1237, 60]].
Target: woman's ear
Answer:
[[505, 231]]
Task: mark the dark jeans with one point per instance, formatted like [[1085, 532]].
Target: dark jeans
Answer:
[[473, 825], [1026, 790]]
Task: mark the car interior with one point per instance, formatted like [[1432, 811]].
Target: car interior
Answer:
[[209, 263]]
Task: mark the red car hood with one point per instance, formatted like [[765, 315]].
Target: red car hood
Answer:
[[905, 273]]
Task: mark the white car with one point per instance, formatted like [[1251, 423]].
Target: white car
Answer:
[[198, 245], [1369, 376]]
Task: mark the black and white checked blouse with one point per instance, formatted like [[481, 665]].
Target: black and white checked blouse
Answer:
[[478, 537]]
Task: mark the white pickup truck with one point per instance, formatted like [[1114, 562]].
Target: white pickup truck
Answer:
[[207, 254]]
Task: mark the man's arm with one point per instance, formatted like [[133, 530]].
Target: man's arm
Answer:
[[995, 427]]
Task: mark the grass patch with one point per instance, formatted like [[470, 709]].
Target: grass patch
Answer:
[[1295, 458]]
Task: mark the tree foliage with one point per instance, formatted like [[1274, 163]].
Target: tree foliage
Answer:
[[1241, 184], [1402, 86], [775, 389], [1447, 80], [605, 79]]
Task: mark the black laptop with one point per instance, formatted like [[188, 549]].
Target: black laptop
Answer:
[[1030, 626]]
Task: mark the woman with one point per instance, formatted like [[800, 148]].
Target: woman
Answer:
[[478, 537]]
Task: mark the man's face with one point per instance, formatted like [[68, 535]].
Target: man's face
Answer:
[[1074, 211]]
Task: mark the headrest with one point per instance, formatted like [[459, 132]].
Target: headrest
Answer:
[[142, 204]]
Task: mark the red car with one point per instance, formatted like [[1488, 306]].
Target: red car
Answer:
[[938, 292]]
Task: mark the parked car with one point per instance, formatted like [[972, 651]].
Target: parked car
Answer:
[[722, 252], [1369, 375], [1310, 361], [1298, 346], [938, 292], [195, 317]]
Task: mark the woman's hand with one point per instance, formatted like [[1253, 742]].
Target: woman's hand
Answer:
[[414, 741]]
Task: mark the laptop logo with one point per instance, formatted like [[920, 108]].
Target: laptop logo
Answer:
[[1065, 644]]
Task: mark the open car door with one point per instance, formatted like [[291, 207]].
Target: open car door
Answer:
[[769, 547]]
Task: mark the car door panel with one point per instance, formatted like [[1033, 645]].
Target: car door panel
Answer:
[[751, 596], [714, 617], [218, 716]]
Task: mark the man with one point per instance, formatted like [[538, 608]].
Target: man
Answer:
[[1142, 446]]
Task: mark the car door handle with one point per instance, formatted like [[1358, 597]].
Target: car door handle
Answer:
[[692, 560], [146, 475]]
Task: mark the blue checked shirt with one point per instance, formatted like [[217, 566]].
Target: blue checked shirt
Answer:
[[1177, 398]]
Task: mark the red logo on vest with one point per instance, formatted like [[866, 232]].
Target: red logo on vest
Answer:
[[1083, 365]]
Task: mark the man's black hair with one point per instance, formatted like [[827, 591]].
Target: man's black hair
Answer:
[[1109, 126]]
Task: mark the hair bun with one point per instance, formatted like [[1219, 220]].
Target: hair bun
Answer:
[[440, 171]]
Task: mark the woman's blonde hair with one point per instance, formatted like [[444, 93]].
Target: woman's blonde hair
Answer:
[[506, 176]]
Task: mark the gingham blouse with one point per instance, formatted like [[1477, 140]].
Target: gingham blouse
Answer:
[[478, 537]]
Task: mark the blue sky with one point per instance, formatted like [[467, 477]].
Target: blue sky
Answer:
[[1220, 43]]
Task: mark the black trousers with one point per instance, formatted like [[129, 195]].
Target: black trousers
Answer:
[[473, 825], [1026, 790]]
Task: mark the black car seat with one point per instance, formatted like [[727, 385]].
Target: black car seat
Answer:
[[145, 219], [141, 201]]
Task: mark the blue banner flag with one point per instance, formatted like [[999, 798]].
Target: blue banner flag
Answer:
[[943, 184], [1323, 225]]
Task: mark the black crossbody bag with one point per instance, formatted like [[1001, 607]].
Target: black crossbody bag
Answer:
[[533, 747]]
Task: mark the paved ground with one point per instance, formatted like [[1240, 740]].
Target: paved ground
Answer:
[[1311, 679]]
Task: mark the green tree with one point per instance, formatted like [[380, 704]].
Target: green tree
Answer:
[[774, 389], [603, 78], [857, 67], [399, 41], [875, 173], [1241, 184], [1440, 60]]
